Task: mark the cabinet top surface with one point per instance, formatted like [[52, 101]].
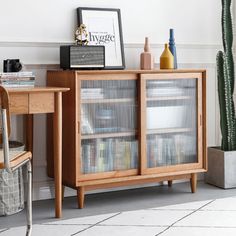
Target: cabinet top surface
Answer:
[[131, 71]]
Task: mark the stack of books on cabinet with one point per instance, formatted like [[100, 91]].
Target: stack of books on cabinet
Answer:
[[17, 79]]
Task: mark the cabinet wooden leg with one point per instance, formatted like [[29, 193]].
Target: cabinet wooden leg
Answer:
[[170, 183], [80, 197], [193, 181]]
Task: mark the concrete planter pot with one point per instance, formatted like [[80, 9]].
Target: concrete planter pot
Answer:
[[221, 168]]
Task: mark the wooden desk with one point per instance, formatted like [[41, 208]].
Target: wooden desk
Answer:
[[37, 100]]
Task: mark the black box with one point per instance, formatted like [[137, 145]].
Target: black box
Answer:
[[82, 57]]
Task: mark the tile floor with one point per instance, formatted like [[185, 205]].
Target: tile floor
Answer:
[[215, 216]]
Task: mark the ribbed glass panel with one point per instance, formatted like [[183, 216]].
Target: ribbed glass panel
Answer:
[[108, 125], [171, 122]]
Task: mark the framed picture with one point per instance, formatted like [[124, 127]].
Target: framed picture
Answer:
[[104, 28]]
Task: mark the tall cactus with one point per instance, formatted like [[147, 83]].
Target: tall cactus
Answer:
[[225, 76]]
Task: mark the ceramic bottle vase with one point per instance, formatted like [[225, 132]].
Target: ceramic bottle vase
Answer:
[[172, 47], [166, 59], [146, 57]]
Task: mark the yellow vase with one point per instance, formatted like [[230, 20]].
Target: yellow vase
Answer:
[[166, 59]]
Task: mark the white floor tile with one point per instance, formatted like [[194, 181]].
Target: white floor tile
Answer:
[[147, 217], [184, 206], [210, 219], [222, 204], [217, 218], [46, 230], [122, 231], [182, 231], [84, 220]]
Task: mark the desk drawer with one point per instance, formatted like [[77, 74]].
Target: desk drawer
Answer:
[[19, 103], [32, 103], [41, 102]]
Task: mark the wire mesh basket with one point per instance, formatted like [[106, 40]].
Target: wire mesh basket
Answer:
[[12, 186]]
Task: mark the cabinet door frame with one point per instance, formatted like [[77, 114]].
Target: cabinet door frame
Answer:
[[108, 174], [200, 122]]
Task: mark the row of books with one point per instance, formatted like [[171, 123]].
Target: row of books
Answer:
[[91, 93], [17, 79], [171, 150], [102, 155]]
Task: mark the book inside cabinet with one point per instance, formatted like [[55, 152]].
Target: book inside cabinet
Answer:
[[131, 127]]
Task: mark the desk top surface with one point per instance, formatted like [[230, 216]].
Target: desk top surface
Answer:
[[36, 89]]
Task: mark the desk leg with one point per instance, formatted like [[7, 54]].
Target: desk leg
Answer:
[[57, 145], [29, 132]]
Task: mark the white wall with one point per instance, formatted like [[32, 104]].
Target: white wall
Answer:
[[33, 30], [54, 20]]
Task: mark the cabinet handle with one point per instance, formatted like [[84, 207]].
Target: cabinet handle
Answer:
[[78, 127], [200, 120]]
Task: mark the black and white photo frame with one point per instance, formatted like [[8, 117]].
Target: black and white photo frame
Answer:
[[104, 28]]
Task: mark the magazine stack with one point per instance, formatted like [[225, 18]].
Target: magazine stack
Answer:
[[17, 79]]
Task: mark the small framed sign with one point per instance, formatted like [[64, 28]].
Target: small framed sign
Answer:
[[104, 28]]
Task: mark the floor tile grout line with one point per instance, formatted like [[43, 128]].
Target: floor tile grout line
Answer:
[[45, 224], [104, 225], [216, 210], [96, 224], [189, 210], [185, 217], [133, 225], [173, 209], [199, 226], [202, 210], [117, 225]]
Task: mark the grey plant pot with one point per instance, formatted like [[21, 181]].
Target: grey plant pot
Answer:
[[221, 168]]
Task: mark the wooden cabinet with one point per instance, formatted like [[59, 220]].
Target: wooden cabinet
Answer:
[[130, 127]]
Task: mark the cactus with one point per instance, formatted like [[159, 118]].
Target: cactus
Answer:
[[225, 76]]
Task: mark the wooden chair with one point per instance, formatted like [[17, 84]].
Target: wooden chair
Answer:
[[11, 160]]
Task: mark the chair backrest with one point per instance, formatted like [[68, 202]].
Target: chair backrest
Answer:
[[4, 105]]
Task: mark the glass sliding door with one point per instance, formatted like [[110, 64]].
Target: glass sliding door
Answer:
[[108, 125], [171, 122]]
